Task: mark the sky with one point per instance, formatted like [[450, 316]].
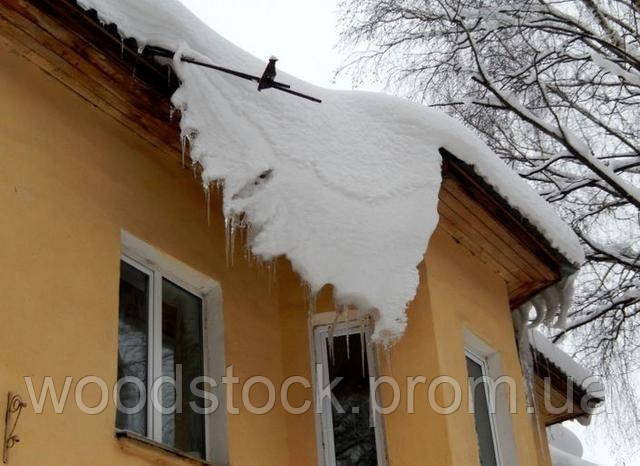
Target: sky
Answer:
[[302, 34], [304, 37]]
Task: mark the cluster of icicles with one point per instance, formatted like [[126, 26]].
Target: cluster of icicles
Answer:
[[550, 308], [234, 224]]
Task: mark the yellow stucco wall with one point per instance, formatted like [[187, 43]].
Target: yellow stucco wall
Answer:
[[71, 178], [456, 292]]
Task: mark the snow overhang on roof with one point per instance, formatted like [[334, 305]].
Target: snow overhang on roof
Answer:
[[562, 458], [586, 384], [346, 190]]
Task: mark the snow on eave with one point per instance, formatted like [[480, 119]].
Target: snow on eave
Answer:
[[346, 190], [568, 366]]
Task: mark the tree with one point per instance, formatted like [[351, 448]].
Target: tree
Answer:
[[554, 88]]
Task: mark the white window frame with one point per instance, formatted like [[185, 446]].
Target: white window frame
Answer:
[[324, 415], [501, 424], [158, 265]]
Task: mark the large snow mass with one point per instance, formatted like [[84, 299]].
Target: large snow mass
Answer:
[[562, 458], [565, 447], [347, 190]]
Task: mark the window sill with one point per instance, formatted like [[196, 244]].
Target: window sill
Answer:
[[141, 443]]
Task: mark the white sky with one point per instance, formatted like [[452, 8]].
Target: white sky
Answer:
[[303, 35]]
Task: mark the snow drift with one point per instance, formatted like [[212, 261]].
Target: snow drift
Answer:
[[347, 190]]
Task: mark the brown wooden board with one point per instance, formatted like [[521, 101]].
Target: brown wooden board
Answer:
[[67, 52], [478, 219]]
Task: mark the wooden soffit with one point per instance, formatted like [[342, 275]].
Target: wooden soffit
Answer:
[[477, 218], [72, 46]]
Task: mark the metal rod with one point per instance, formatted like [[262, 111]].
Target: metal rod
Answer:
[[274, 84], [299, 94], [249, 77]]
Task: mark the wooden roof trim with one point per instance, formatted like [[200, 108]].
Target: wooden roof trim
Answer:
[[476, 216], [74, 48], [558, 399], [527, 233], [545, 369], [107, 39]]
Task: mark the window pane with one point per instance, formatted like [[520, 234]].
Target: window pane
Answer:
[[353, 432], [482, 416], [132, 348], [182, 351]]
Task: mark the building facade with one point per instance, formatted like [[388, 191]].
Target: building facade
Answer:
[[114, 263]]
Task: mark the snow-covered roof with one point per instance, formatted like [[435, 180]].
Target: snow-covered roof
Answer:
[[347, 189], [564, 439], [565, 447], [562, 458], [566, 364]]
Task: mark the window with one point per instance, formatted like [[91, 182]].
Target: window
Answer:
[[160, 337], [351, 434], [485, 424], [493, 397], [165, 309]]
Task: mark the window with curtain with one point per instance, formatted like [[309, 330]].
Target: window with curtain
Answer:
[[160, 338]]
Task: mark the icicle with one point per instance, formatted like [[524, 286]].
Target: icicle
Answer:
[[271, 274], [121, 47], [330, 341], [246, 253], [274, 273], [183, 140], [232, 240], [133, 70], [540, 306], [311, 300], [552, 298], [340, 312], [231, 224], [348, 351], [520, 318], [226, 238], [362, 345], [208, 196], [566, 299], [251, 234], [552, 305], [387, 356], [533, 358]]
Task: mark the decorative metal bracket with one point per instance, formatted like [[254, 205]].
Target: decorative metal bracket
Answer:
[[14, 408]]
